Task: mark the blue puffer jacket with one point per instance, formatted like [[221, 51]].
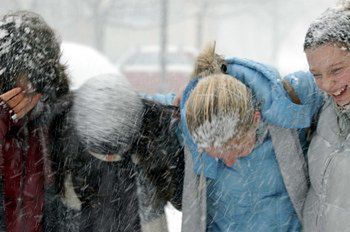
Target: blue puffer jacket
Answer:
[[251, 195]]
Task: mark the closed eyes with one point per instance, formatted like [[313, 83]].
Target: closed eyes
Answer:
[[336, 71]]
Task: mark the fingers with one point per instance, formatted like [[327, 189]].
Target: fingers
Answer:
[[25, 106], [16, 100], [10, 94], [177, 101], [21, 105]]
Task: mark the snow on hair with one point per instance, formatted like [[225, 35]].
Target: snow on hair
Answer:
[[344, 5], [219, 108], [332, 27], [107, 113], [29, 46], [217, 132]]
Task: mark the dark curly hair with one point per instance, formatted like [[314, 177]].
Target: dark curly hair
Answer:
[[29, 47]]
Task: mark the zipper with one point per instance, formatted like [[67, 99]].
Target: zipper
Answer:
[[326, 173]]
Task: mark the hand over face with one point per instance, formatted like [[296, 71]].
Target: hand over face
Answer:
[[19, 102]]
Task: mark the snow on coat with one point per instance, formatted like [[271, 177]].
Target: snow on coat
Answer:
[[327, 207], [252, 194], [124, 159], [29, 147]]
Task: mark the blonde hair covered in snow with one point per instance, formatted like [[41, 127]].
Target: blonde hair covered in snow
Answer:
[[218, 109]]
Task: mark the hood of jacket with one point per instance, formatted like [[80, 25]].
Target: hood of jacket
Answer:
[[107, 114]]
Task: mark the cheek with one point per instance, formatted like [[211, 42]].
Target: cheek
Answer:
[[319, 83], [249, 146], [345, 77], [323, 85]]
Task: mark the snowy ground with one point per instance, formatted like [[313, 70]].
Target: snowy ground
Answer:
[[174, 218]]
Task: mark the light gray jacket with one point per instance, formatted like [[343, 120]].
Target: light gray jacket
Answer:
[[327, 206]]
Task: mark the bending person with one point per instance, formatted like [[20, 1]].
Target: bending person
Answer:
[[243, 135], [125, 161]]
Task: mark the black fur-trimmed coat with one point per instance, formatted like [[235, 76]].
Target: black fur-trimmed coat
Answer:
[[47, 127], [30, 59], [128, 189]]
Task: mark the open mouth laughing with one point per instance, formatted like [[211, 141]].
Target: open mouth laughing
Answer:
[[339, 95], [340, 91]]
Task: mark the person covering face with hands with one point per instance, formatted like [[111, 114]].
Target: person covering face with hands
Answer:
[[34, 98]]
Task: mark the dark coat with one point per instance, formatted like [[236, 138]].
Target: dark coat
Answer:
[[29, 152], [111, 185], [30, 59], [130, 192], [112, 194]]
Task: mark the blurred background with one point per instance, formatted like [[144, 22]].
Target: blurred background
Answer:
[[153, 42]]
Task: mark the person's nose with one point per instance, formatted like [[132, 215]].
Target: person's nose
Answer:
[[246, 152], [229, 161]]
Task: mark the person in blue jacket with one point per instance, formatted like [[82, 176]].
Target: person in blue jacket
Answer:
[[243, 135]]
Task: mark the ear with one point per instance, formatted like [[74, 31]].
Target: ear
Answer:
[[257, 117]]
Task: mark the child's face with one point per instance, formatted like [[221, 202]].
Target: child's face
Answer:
[[234, 148], [330, 66]]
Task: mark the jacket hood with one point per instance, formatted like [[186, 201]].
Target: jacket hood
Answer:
[[107, 114]]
